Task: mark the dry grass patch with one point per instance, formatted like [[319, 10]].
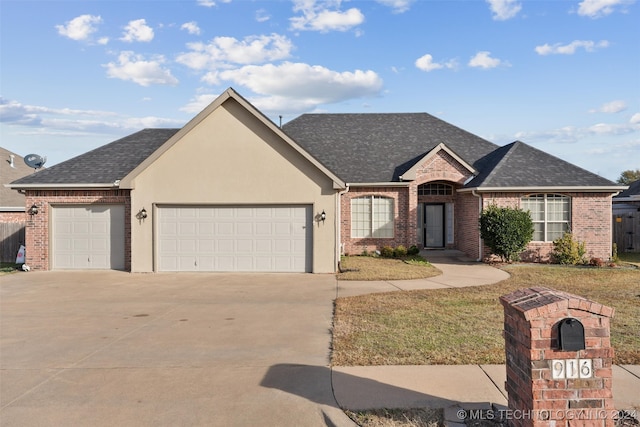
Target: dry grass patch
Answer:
[[376, 268], [422, 417], [464, 325]]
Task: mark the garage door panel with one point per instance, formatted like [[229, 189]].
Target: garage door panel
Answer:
[[247, 238], [88, 237]]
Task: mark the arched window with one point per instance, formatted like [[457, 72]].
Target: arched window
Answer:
[[551, 215], [435, 189], [372, 216]]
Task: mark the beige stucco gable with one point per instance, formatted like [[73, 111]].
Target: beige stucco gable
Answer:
[[231, 155]]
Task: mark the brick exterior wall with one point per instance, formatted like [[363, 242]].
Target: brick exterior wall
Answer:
[[590, 223], [531, 318], [38, 229]]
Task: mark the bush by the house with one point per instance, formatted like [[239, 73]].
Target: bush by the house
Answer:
[[400, 251], [413, 250], [506, 231], [386, 251], [568, 251]]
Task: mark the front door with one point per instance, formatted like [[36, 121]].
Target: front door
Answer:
[[433, 225]]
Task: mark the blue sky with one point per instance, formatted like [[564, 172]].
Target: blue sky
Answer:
[[562, 76]]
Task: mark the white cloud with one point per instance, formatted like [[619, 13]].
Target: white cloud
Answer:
[[80, 28], [135, 68], [599, 8], [206, 3], [262, 15], [295, 87], [199, 103], [484, 60], [398, 6], [611, 107], [191, 27], [224, 50], [573, 134], [318, 16], [635, 119], [570, 49], [425, 63], [504, 9], [137, 31]]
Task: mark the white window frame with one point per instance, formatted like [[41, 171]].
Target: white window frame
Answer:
[[368, 220], [544, 220]]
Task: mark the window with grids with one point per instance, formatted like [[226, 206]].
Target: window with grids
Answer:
[[551, 215], [372, 216], [435, 189]]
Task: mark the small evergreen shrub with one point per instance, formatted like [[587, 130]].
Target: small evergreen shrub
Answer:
[[413, 250], [386, 252], [400, 252], [506, 231], [568, 251]]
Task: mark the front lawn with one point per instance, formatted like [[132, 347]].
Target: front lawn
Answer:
[[376, 268], [464, 325]]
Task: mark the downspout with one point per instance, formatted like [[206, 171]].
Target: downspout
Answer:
[[338, 226], [479, 213]]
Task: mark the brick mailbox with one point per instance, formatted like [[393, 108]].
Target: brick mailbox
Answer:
[[558, 359]]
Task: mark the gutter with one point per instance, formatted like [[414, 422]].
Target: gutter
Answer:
[[581, 189], [111, 185], [479, 213], [378, 184], [338, 250]]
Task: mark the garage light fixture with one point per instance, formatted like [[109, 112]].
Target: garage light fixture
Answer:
[[323, 216], [142, 214], [33, 210]]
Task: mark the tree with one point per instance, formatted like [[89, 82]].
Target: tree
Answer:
[[506, 231], [629, 176]]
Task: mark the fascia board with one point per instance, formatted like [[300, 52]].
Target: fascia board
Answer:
[[92, 186], [377, 184]]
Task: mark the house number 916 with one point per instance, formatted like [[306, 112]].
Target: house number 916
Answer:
[[571, 368]]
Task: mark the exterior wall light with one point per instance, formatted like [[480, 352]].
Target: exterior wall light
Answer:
[[142, 214], [323, 216], [33, 210]]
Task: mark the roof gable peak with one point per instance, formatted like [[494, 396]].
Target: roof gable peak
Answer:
[[410, 174]]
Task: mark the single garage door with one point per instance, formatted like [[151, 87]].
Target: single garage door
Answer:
[[88, 237], [234, 238]]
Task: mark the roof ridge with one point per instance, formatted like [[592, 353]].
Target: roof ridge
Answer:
[[509, 150]]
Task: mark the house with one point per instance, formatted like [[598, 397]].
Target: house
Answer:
[[232, 191], [626, 219], [12, 205]]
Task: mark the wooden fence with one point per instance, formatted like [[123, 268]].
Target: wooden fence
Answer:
[[626, 231], [11, 237]]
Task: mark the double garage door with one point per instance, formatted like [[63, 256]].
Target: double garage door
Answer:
[[234, 238]]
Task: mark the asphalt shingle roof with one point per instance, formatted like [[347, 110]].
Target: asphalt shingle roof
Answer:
[[105, 164], [380, 147], [520, 165], [8, 197]]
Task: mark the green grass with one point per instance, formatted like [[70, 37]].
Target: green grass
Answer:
[[8, 267], [464, 325]]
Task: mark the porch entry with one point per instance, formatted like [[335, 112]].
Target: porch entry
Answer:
[[436, 220]]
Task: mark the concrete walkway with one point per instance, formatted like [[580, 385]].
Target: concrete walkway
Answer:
[[458, 389]]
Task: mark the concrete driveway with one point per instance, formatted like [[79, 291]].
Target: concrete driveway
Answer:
[[112, 348]]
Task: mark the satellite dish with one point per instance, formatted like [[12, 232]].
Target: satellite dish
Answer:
[[34, 161]]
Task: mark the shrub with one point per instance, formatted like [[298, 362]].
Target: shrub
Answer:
[[568, 251], [506, 231], [413, 250], [400, 252], [597, 262], [386, 252]]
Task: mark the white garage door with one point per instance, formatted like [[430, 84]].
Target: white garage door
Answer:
[[88, 237], [233, 238]]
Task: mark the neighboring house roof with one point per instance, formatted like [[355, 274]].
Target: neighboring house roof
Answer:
[[11, 168], [369, 148], [631, 194], [518, 165], [105, 165]]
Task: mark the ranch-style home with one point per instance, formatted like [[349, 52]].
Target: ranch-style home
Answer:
[[233, 191]]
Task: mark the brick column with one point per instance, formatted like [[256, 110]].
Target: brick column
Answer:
[[548, 386]]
